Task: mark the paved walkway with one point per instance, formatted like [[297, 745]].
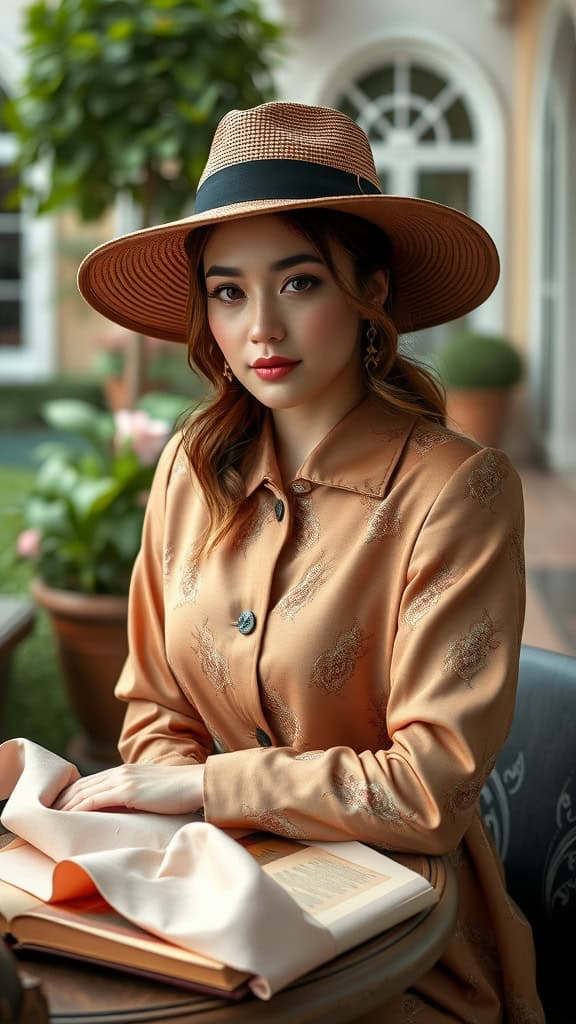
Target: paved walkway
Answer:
[[550, 503]]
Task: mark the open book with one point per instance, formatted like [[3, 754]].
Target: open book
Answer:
[[348, 888]]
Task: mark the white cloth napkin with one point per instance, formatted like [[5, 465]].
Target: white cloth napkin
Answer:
[[185, 881]]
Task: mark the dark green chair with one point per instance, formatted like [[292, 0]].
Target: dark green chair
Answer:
[[529, 805]]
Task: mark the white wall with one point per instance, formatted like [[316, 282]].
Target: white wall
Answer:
[[334, 28]]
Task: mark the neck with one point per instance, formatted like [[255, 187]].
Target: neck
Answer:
[[297, 431]]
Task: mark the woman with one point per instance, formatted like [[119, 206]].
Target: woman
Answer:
[[330, 589]]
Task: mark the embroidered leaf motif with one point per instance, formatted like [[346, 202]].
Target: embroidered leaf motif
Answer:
[[334, 667], [485, 481], [286, 722], [429, 596], [384, 519], [519, 1012], [411, 1006], [469, 655], [212, 662], [306, 589], [368, 797], [426, 436], [306, 524], [167, 561], [273, 820], [189, 584], [466, 793], [516, 550]]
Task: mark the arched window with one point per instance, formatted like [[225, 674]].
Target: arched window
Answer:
[[421, 114], [420, 128], [11, 336]]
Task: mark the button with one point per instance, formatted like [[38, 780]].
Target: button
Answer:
[[279, 510], [300, 487], [263, 738], [246, 623]]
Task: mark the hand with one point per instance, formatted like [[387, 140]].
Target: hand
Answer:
[[164, 789]]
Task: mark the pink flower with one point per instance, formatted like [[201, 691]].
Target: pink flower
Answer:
[[146, 435], [28, 543]]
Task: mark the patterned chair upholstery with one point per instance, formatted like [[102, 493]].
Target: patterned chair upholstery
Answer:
[[529, 805]]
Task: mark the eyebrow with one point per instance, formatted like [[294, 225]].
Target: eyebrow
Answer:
[[283, 264]]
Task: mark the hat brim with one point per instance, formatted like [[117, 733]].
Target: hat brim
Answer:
[[443, 263]]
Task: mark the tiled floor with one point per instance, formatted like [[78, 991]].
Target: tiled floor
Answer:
[[550, 505]]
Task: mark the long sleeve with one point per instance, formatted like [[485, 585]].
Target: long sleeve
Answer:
[[452, 680], [161, 724]]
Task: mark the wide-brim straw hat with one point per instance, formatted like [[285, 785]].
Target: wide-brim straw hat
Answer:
[[282, 156]]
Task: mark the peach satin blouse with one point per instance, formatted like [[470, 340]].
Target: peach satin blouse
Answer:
[[351, 651]]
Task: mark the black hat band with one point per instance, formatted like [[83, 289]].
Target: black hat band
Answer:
[[278, 179]]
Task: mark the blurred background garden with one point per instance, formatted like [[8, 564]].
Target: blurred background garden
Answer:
[[107, 109]]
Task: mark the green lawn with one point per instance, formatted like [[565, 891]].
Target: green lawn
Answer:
[[37, 705]]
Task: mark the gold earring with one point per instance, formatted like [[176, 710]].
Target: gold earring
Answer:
[[373, 355], [227, 372]]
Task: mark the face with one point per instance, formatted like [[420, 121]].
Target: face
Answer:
[[282, 322]]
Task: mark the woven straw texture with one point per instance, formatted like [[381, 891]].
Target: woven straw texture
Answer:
[[443, 264], [291, 131]]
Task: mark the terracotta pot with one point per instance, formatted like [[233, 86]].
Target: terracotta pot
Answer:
[[480, 414], [91, 635]]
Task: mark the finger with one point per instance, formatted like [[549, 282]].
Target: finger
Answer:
[[91, 801], [79, 790]]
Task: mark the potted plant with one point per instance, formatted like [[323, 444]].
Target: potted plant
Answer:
[[83, 520], [479, 372]]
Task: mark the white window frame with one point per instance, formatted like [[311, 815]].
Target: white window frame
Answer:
[[488, 186], [35, 357], [557, 443]]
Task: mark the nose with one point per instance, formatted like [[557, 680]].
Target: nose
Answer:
[[266, 324]]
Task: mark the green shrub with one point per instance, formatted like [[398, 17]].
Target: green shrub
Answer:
[[21, 404], [479, 361], [125, 95], [37, 704]]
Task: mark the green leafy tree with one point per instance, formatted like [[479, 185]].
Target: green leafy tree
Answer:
[[124, 96]]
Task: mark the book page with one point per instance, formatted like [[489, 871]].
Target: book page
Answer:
[[317, 880], [15, 901]]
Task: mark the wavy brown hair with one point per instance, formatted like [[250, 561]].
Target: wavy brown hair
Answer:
[[219, 437]]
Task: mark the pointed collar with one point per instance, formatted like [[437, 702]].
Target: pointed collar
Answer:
[[358, 454]]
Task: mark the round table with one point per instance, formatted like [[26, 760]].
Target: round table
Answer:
[[354, 983]]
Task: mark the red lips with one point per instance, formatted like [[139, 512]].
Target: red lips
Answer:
[[274, 361]]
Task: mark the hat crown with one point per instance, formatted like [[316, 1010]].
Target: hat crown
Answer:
[[291, 131]]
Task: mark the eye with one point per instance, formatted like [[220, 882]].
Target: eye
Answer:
[[226, 293], [302, 283]]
